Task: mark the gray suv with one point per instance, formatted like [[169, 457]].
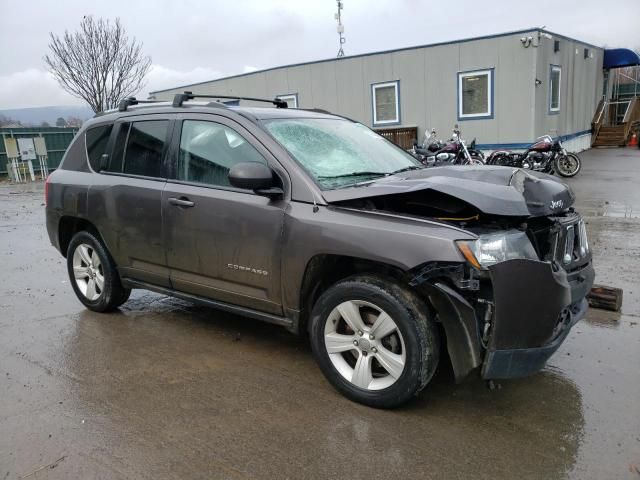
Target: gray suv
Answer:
[[314, 222]]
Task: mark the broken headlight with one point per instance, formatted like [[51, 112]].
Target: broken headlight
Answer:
[[491, 248]]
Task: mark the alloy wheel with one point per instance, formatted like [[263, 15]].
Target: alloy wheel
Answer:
[[364, 345], [87, 272]]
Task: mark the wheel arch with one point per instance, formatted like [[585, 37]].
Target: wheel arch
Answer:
[[324, 270], [455, 316], [68, 226]]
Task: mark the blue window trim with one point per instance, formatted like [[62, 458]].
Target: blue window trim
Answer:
[[373, 101], [491, 113], [549, 110], [291, 95]]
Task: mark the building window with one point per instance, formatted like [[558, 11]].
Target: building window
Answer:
[[555, 78], [475, 94], [291, 99], [386, 103]]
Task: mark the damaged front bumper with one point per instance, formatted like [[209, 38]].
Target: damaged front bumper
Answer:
[[521, 362], [535, 306], [528, 309]]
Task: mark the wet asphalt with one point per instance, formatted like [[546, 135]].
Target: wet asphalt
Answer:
[[165, 389]]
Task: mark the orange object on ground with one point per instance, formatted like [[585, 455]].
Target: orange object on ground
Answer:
[[634, 141]]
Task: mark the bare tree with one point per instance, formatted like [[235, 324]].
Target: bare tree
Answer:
[[98, 63]]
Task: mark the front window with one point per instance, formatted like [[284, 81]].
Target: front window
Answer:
[[339, 153], [208, 150], [475, 94], [386, 108], [554, 89]]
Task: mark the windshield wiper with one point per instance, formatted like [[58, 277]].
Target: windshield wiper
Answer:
[[406, 169], [355, 174]]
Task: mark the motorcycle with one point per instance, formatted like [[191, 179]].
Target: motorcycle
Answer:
[[434, 152], [545, 155]]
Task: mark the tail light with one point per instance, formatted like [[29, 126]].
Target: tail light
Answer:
[[46, 191]]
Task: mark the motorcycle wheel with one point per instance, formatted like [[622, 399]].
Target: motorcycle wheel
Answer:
[[477, 159], [478, 155], [501, 159], [568, 165]]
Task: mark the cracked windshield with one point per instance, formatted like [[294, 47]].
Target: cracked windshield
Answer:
[[338, 153]]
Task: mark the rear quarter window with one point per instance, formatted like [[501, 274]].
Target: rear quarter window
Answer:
[[97, 139]]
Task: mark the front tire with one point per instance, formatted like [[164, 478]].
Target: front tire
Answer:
[[93, 274], [568, 165], [374, 341]]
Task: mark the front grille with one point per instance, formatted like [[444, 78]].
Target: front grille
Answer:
[[571, 244], [561, 239]]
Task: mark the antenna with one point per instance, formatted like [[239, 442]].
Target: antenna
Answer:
[[340, 29]]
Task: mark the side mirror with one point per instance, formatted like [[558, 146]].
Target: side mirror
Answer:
[[104, 161], [254, 176]]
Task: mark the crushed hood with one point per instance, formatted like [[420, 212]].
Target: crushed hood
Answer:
[[493, 190]]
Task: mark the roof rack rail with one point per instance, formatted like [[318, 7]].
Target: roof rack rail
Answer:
[[127, 102], [180, 98]]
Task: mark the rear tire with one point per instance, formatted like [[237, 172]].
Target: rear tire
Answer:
[[384, 347], [93, 274]]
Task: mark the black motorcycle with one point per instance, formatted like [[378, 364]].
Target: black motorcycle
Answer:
[[434, 152], [545, 155]]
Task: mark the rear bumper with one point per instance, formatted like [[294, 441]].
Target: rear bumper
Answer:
[[521, 362], [53, 223]]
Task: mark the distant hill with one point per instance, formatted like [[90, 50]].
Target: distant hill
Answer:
[[36, 115]]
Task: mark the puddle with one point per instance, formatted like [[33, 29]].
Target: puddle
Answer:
[[603, 208]]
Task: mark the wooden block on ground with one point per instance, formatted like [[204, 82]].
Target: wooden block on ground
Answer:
[[607, 298]]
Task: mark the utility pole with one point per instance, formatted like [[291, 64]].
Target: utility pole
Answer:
[[340, 29]]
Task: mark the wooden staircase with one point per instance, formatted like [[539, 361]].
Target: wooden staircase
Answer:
[[610, 137], [611, 131]]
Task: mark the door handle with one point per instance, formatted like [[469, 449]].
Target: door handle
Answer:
[[181, 202]]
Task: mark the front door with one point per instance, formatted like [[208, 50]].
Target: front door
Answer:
[[222, 242]]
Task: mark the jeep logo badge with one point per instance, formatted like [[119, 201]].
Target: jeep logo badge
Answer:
[[556, 204]]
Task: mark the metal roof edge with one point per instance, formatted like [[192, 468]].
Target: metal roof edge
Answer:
[[381, 52]]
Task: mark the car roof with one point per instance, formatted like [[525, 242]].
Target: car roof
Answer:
[[252, 113], [267, 113]]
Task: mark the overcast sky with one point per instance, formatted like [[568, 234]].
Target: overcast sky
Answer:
[[191, 41]]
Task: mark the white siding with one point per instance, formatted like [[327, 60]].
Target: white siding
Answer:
[[428, 86]]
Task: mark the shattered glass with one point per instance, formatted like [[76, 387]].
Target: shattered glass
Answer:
[[339, 153]]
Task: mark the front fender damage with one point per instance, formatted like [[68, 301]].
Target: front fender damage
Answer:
[[514, 322], [461, 327]]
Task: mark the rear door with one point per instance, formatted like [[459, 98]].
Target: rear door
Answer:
[[222, 242], [126, 199]]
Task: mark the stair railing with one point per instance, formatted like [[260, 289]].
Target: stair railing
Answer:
[[597, 120], [631, 116]]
